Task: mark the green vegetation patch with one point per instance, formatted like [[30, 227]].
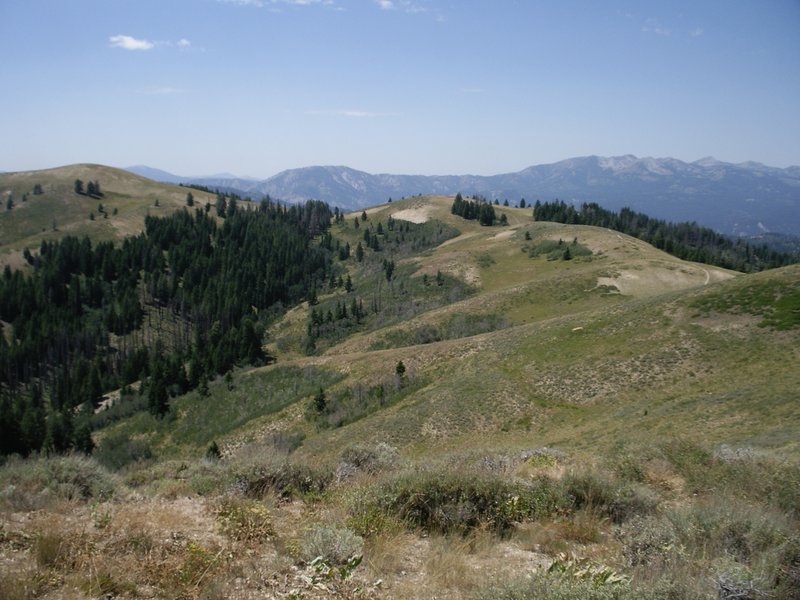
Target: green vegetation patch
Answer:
[[452, 502], [558, 250], [33, 483], [197, 420], [225, 410], [285, 479], [778, 302], [458, 325], [355, 402]]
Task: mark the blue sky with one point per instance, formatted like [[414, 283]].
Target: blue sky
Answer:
[[253, 87]]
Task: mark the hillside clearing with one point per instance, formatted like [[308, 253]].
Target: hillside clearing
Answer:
[[413, 215]]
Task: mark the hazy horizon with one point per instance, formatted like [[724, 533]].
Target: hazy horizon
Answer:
[[255, 87]]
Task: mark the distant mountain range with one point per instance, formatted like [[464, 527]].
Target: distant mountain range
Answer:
[[740, 199]]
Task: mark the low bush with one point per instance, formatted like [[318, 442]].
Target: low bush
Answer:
[[21, 586], [648, 540], [729, 528], [458, 325], [119, 450], [610, 497], [367, 458], [126, 406], [244, 519], [172, 478], [736, 472], [286, 479], [556, 586], [51, 550], [336, 545], [787, 572], [453, 502], [31, 483]]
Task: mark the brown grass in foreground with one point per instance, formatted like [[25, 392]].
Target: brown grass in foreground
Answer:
[[508, 525]]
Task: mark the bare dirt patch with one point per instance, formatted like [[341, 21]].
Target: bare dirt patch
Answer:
[[413, 215], [660, 278], [457, 264], [503, 235]]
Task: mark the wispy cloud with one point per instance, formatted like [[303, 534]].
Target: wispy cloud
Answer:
[[696, 32], [352, 113], [127, 42], [653, 26], [274, 3], [160, 90], [409, 7]]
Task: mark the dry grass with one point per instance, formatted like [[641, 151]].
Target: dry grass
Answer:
[[230, 546]]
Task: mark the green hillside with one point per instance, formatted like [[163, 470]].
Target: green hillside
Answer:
[[58, 210], [534, 410]]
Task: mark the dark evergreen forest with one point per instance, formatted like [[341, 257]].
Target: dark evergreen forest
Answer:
[[474, 210], [688, 241], [182, 302]]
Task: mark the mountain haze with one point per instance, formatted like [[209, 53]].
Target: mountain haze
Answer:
[[739, 199]]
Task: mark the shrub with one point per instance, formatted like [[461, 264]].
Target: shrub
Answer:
[[542, 457], [367, 459], [593, 582], [173, 478], [31, 483], [734, 529], [787, 576], [368, 515], [336, 545], [213, 452], [50, 550], [244, 519], [119, 450], [555, 587], [630, 468], [647, 540], [21, 586], [617, 500], [197, 563], [285, 479], [106, 585], [456, 502], [737, 472]]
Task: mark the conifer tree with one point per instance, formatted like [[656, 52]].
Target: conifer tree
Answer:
[[320, 402]]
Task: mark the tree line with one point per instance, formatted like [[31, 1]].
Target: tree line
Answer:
[[474, 210], [688, 241], [170, 308]]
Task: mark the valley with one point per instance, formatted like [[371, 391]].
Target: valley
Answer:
[[534, 410]]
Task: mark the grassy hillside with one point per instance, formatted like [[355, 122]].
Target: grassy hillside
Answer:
[[59, 211], [622, 424]]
